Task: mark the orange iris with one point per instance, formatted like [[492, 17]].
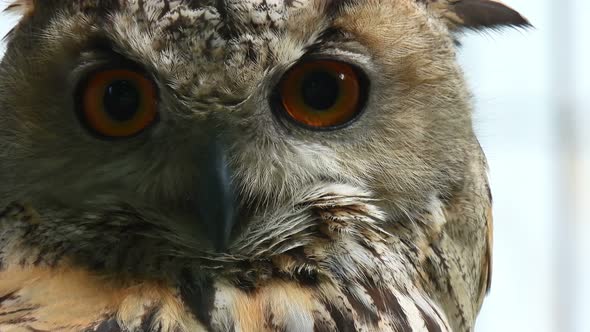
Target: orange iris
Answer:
[[322, 93], [118, 103]]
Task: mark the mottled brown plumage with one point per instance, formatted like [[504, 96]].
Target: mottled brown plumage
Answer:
[[381, 224]]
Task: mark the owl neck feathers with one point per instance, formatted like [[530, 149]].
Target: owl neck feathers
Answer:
[[324, 262]]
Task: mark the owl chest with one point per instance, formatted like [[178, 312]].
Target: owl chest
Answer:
[[39, 299]]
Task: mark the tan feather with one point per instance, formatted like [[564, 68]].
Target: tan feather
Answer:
[[72, 299]]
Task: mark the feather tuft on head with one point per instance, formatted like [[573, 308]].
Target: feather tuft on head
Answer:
[[476, 14], [21, 7]]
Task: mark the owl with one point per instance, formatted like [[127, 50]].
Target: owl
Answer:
[[242, 165]]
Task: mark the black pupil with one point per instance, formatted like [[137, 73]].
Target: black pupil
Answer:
[[121, 100], [321, 90]]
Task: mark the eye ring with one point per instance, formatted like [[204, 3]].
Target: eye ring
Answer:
[[117, 102], [321, 94]]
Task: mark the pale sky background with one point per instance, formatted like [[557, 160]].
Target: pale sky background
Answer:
[[539, 158], [532, 92]]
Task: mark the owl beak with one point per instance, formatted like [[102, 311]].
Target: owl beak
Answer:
[[216, 199]]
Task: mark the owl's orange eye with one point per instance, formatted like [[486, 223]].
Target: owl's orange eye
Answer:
[[323, 94], [118, 103]]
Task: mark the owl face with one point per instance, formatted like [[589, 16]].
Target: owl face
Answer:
[[203, 117]]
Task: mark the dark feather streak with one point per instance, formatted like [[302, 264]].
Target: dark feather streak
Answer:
[[148, 321], [199, 297], [387, 302], [431, 324], [367, 313], [108, 325], [344, 321]]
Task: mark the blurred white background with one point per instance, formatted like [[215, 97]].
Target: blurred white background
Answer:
[[532, 91]]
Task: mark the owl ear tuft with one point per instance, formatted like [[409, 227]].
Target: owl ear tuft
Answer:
[[21, 7], [476, 14]]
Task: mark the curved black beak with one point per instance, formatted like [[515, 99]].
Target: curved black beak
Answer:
[[216, 201]]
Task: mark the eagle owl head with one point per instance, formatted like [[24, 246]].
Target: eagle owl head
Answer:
[[228, 145]]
